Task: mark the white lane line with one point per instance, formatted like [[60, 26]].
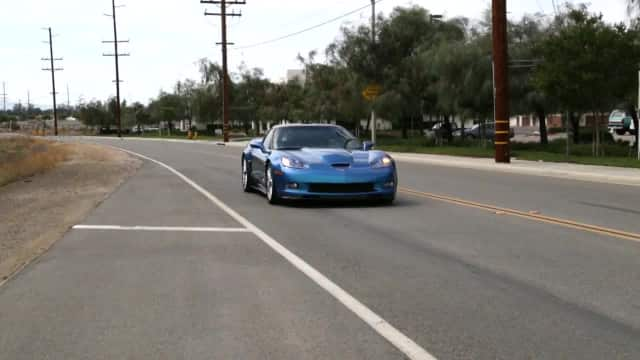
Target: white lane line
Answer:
[[160, 228], [407, 346]]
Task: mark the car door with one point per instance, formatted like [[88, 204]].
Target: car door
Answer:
[[260, 156], [491, 131]]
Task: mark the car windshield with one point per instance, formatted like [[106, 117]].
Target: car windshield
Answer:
[[617, 115], [325, 137]]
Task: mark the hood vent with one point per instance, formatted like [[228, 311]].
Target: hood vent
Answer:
[[341, 165]]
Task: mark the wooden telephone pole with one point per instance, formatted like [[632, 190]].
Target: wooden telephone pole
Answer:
[[116, 55], [53, 70], [225, 71], [501, 82]]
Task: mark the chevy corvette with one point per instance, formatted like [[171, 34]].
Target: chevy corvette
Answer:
[[317, 162]]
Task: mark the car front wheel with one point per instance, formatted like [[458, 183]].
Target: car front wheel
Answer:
[[270, 187], [246, 175]]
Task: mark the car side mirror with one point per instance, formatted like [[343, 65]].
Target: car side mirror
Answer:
[[367, 145], [257, 144]]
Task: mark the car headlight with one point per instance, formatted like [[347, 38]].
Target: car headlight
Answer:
[[383, 162], [292, 163]]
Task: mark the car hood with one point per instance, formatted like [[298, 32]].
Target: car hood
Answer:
[[332, 157]]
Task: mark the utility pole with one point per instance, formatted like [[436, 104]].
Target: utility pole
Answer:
[[68, 99], [373, 44], [53, 70], [4, 97], [4, 104], [28, 116], [225, 71], [500, 81], [116, 55]]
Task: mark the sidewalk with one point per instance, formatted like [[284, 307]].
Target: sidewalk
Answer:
[[601, 174]]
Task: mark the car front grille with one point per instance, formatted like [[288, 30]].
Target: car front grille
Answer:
[[341, 188]]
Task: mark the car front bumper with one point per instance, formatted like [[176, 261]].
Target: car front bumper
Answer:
[[352, 183]]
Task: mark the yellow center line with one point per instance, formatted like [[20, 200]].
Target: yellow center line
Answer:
[[531, 216]]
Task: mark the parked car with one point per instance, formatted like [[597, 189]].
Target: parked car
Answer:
[[438, 130], [621, 123], [488, 130]]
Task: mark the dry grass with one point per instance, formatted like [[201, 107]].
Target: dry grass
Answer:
[[21, 157]]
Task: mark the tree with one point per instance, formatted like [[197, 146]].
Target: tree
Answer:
[[248, 96], [332, 92], [186, 91], [167, 108], [398, 60], [577, 60], [94, 114], [207, 95], [524, 38], [141, 115]]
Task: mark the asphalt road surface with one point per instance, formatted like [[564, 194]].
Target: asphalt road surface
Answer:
[[197, 269]]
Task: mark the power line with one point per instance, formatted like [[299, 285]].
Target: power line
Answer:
[[307, 29]]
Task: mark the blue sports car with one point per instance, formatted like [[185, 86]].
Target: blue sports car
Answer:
[[317, 162]]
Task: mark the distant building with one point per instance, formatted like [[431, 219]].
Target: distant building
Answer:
[[381, 124], [553, 120], [297, 75]]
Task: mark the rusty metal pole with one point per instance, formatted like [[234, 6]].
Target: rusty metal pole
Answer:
[[501, 82]]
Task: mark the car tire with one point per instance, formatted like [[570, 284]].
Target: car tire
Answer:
[[271, 190], [387, 201], [247, 183]]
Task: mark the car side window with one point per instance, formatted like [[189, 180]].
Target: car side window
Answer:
[[268, 140]]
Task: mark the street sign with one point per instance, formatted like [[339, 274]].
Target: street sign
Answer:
[[372, 91]]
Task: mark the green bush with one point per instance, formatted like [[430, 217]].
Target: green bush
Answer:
[[586, 137], [559, 146]]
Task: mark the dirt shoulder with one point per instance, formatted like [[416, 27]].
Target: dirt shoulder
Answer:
[[36, 211]]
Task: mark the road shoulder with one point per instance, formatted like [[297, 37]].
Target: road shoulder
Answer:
[[38, 210]]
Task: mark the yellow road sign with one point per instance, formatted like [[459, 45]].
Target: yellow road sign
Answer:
[[372, 92]]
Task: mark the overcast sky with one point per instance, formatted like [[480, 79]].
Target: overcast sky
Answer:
[[168, 37]]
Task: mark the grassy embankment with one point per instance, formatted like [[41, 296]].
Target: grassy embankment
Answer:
[[21, 157]]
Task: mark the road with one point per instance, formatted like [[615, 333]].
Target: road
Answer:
[[452, 280]]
